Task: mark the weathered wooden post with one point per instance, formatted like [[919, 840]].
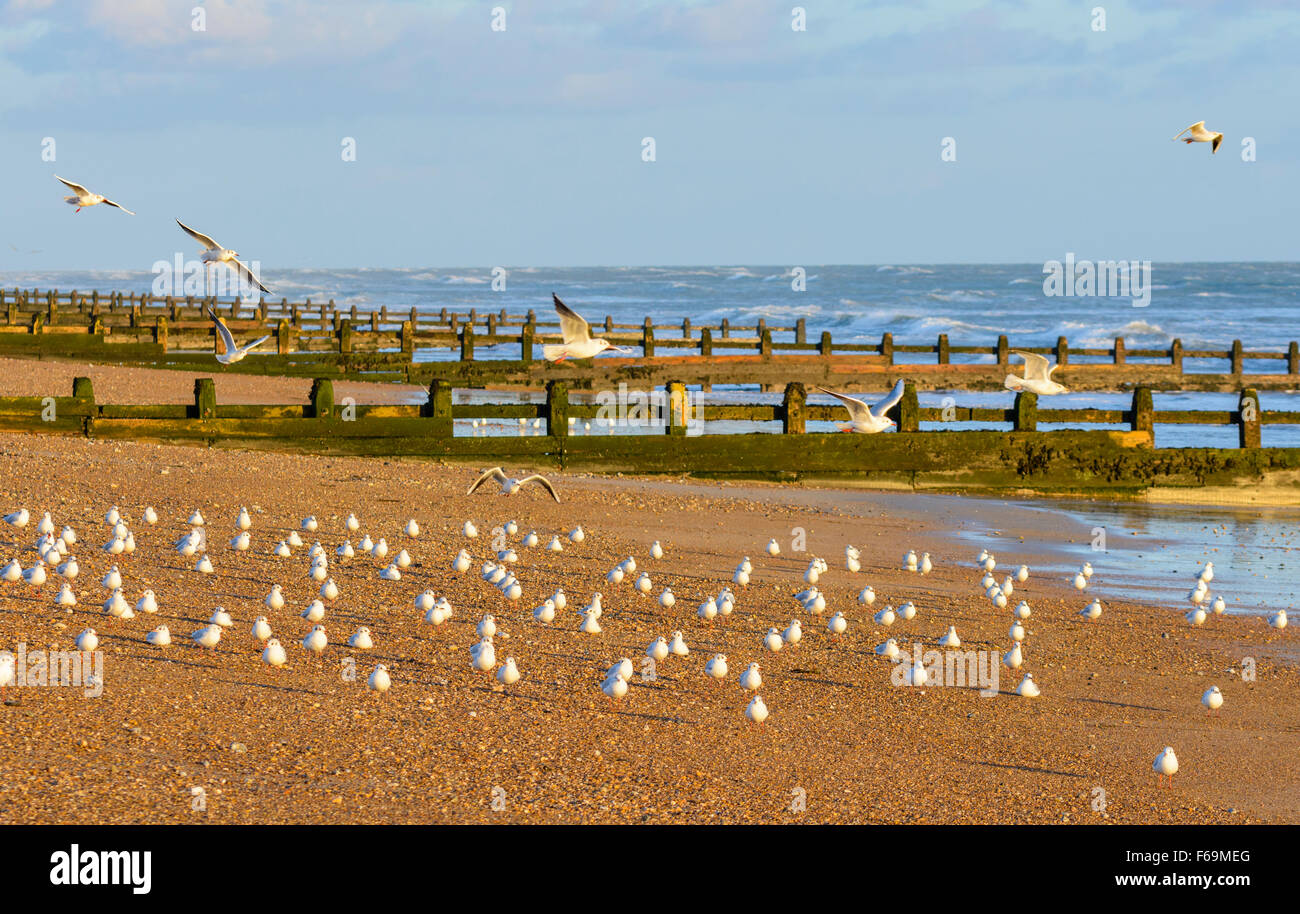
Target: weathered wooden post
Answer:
[[467, 343], [322, 398], [527, 336], [706, 341], [944, 350], [12, 317], [906, 413], [793, 411], [678, 408], [283, 337], [492, 325], [825, 347], [1237, 356], [1025, 412], [686, 328], [801, 331], [38, 323], [374, 322], [1119, 350], [1143, 416], [97, 326], [205, 398], [1003, 350], [407, 336], [1176, 354], [82, 389], [765, 343], [54, 310], [438, 409], [557, 409], [725, 328], [135, 316], [1293, 358], [887, 347], [1062, 351], [160, 332], [1249, 421], [647, 340]]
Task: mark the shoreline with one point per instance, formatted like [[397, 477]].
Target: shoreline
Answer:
[[304, 744]]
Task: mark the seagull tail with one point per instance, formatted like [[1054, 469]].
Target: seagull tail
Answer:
[[552, 353], [1014, 383]]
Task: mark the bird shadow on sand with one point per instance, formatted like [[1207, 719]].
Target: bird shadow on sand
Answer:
[[1030, 768], [1124, 704], [813, 680]]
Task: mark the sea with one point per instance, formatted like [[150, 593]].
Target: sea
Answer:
[[1206, 305]]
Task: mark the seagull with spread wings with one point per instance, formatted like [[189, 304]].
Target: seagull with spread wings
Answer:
[[864, 419], [1038, 376], [227, 352], [82, 197], [512, 486], [215, 253], [1200, 135], [576, 332]]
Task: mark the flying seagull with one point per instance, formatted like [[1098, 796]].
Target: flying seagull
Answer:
[[215, 253], [1038, 376], [578, 343], [511, 486], [1201, 135], [227, 352], [82, 197], [864, 419]]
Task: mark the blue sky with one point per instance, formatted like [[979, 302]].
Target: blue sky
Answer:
[[523, 147]]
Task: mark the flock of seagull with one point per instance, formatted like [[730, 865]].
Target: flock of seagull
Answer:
[[53, 547]]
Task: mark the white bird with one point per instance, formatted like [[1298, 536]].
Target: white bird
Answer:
[[261, 629], [623, 669], [273, 654], [666, 599], [88, 640], [150, 516], [917, 675], [329, 590], [751, 680], [643, 584], [1219, 606], [1165, 765], [1207, 573], [615, 574], [793, 632], [484, 655], [18, 519], [391, 573], [244, 521], [345, 551], [756, 710], [910, 561], [511, 486], [545, 613], [656, 551], [412, 528], [1080, 581], [36, 575], [576, 333], [1196, 616], [559, 599], [773, 640], [613, 686], [576, 535], [147, 603], [282, 550], [1278, 620], [590, 625], [241, 542], [159, 637], [1017, 631], [907, 611], [1086, 569], [1022, 610], [658, 649], [1022, 574], [1212, 698], [226, 351], [462, 562], [293, 539], [221, 617], [531, 540], [867, 596], [950, 639], [82, 197], [740, 578], [708, 610], [214, 253], [310, 524], [1200, 135], [677, 646], [487, 626], [1028, 688], [203, 565], [773, 547], [888, 648], [316, 640], [208, 636], [65, 596], [554, 545], [1092, 610], [1037, 378], [716, 667], [508, 675], [837, 625], [274, 599], [361, 640], [1014, 657], [885, 617], [511, 528], [926, 565], [864, 419]]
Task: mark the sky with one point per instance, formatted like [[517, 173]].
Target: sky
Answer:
[[478, 146]]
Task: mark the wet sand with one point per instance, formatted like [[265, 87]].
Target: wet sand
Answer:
[[307, 744]]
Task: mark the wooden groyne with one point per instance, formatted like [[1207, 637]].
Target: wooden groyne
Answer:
[[1020, 458], [320, 340]]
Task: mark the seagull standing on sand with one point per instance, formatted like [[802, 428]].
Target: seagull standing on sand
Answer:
[[227, 352], [578, 343], [864, 419], [1038, 376], [215, 253], [1198, 134], [511, 486], [1166, 765], [82, 197]]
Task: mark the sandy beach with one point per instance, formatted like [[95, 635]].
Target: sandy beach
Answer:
[[307, 744]]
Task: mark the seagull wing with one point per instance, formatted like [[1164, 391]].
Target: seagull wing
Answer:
[[119, 206], [208, 243], [887, 404], [572, 326], [494, 473], [1214, 146], [1193, 127], [248, 275], [1036, 368], [249, 347], [857, 409], [225, 342], [543, 482], [81, 191]]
